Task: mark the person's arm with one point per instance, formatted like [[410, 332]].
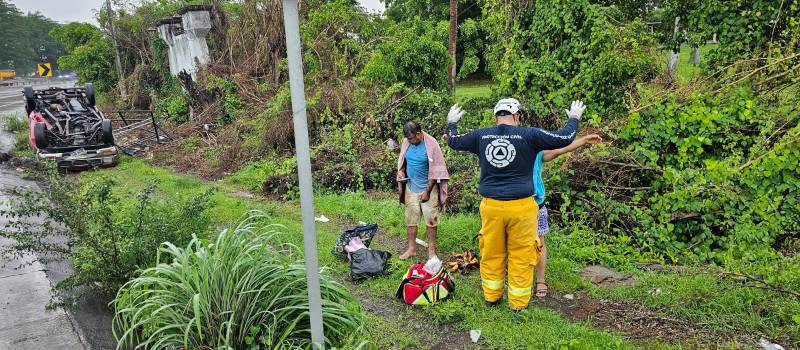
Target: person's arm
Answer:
[[456, 141], [426, 195], [580, 142], [549, 140], [461, 142], [401, 173]]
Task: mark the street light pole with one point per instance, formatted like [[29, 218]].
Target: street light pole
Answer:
[[291, 24]]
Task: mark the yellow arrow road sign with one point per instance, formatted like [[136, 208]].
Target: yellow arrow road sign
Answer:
[[44, 70]]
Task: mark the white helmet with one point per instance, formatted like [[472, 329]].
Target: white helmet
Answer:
[[510, 105]]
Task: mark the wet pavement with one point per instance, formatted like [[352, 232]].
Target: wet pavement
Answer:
[[12, 101], [25, 323]]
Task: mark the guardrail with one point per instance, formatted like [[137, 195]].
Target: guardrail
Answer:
[[37, 81]]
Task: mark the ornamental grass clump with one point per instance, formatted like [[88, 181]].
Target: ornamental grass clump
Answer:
[[240, 291]]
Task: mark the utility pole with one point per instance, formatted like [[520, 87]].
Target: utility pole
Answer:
[[452, 45], [291, 23], [123, 91]]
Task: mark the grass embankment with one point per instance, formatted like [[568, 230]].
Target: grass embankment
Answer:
[[18, 127], [715, 304]]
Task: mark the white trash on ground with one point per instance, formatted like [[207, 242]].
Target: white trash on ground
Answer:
[[422, 243], [475, 334], [569, 296], [322, 218], [768, 345]]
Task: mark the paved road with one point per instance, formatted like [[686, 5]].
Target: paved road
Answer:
[[12, 102], [24, 293], [25, 324]]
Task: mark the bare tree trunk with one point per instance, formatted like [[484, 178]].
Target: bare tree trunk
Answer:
[[452, 45]]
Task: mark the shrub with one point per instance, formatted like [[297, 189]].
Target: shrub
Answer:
[[414, 55], [107, 236], [557, 51], [240, 291]]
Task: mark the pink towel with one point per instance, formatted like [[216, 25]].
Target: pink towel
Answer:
[[437, 167]]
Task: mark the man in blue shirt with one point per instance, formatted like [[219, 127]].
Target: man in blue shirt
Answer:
[[507, 151], [422, 174]]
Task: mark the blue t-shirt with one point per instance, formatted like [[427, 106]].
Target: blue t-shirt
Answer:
[[417, 167], [538, 183], [507, 154]]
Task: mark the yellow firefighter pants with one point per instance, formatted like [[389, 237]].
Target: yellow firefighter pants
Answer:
[[508, 235]]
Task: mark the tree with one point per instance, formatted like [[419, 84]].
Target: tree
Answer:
[[469, 50], [451, 45], [551, 52], [26, 41], [89, 53]]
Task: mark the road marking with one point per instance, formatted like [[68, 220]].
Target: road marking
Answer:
[[10, 104]]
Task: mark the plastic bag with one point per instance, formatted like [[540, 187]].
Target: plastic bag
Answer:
[[369, 263], [366, 233], [433, 265]]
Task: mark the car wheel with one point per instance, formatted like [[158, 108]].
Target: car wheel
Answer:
[[40, 135], [30, 100], [90, 94], [108, 134]]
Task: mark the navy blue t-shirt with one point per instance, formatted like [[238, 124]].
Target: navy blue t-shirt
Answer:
[[507, 154]]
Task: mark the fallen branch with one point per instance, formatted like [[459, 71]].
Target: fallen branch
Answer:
[[764, 285], [750, 162]]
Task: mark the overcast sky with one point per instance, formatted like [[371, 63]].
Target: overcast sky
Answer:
[[64, 11]]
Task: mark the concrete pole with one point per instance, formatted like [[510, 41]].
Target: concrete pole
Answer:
[[123, 91], [672, 64], [291, 24]]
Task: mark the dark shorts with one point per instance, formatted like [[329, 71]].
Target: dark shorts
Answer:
[[544, 225]]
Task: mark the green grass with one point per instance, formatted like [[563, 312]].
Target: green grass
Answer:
[[727, 310], [501, 328], [18, 127], [471, 89], [688, 70]]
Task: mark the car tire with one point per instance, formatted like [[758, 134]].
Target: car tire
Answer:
[[30, 99], [90, 94], [40, 135], [108, 133]]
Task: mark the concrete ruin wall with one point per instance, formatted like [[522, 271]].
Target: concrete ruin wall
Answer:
[[185, 37]]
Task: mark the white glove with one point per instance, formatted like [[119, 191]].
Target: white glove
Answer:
[[455, 114], [576, 110]]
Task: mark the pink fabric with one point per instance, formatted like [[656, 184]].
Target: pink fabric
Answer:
[[437, 167], [354, 245]]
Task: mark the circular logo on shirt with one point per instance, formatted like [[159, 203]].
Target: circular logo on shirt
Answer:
[[500, 153]]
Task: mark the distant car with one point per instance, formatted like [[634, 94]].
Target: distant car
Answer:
[[65, 127]]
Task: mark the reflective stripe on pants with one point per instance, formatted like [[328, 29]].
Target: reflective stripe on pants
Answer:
[[508, 239]]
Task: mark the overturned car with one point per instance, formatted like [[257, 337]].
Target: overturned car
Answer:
[[65, 127]]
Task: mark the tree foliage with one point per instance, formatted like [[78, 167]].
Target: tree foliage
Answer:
[[414, 55], [88, 52], [552, 52], [25, 39]]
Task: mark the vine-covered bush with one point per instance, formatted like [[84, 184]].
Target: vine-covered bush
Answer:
[[551, 52], [725, 185]]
